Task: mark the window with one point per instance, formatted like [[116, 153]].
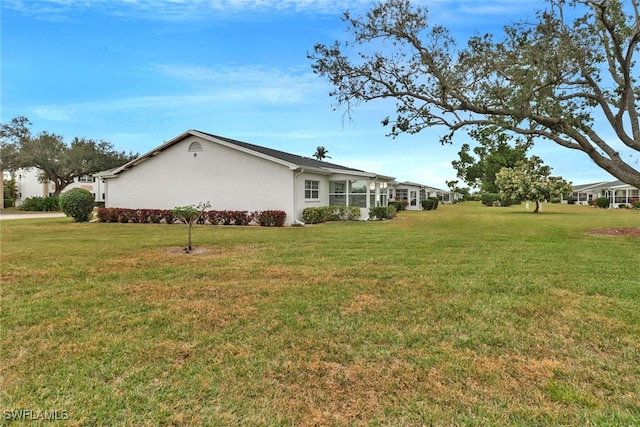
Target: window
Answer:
[[311, 189], [620, 196], [402, 194], [86, 178], [358, 193], [337, 193], [413, 200], [195, 146]]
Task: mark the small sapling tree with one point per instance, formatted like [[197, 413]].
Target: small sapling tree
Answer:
[[189, 215]]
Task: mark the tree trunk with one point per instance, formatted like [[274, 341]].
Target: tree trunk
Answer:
[[189, 242], [537, 209]]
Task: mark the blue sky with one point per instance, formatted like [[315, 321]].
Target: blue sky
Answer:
[[137, 73]]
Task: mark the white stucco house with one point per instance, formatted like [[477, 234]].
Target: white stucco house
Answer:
[[29, 185], [197, 167], [414, 193], [617, 192]]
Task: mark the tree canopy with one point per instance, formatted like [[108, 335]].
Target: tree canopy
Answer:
[[550, 79], [55, 160], [531, 180], [478, 167], [321, 153]]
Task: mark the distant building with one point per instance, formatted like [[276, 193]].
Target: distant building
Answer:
[[617, 192], [29, 185]]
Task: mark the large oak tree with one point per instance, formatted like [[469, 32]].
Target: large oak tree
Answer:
[[551, 78], [56, 161]]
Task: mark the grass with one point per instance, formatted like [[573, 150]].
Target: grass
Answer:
[[461, 316]]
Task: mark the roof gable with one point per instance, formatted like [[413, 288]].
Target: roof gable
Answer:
[[293, 161]]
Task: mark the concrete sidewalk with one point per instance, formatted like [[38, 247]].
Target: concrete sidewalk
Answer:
[[29, 215]]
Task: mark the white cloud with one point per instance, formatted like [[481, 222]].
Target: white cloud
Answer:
[[176, 10], [236, 88]]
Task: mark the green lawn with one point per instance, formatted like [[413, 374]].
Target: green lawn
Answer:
[[465, 315]]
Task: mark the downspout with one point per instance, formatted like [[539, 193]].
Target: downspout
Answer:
[[295, 196]]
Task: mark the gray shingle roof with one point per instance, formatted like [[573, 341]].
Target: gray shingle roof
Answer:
[[287, 157]]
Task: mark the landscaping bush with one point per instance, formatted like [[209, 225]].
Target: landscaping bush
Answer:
[[427, 204], [266, 218], [41, 204], [271, 218], [78, 204], [489, 199], [382, 212], [167, 215], [400, 205], [602, 202], [436, 201], [229, 217], [330, 213], [312, 215], [636, 205], [430, 204]]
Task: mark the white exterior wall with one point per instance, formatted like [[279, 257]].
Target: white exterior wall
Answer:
[[227, 178], [323, 190], [411, 188], [28, 186]]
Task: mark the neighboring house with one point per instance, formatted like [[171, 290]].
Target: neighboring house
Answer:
[[29, 185], [415, 193], [618, 193], [197, 167]]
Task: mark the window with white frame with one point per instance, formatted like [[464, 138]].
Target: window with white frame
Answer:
[[86, 178], [402, 194], [337, 193], [358, 193], [311, 189]]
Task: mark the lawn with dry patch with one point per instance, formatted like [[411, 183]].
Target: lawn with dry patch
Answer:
[[463, 315]]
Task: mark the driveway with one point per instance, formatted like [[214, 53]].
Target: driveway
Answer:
[[29, 215]]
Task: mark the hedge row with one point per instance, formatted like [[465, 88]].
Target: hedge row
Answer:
[[41, 204], [330, 213], [269, 218], [430, 204], [382, 212]]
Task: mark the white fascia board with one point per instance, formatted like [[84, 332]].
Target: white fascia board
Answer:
[[351, 172]]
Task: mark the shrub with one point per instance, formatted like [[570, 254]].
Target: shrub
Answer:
[[229, 217], [312, 215], [636, 205], [271, 218], [167, 215], [41, 204], [155, 216], [103, 214], [382, 212], [78, 204], [400, 205], [489, 199], [330, 213], [602, 202], [428, 204], [436, 202]]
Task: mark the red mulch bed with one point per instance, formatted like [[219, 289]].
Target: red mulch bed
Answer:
[[633, 232]]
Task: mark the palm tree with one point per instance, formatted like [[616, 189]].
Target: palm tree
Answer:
[[321, 153]]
